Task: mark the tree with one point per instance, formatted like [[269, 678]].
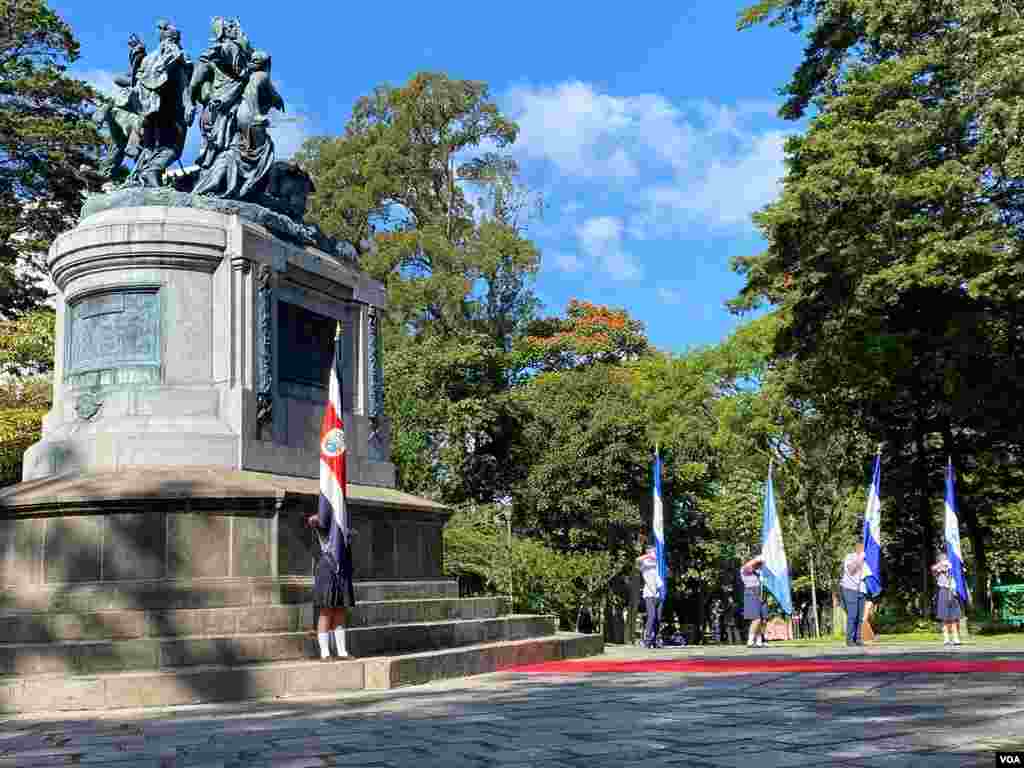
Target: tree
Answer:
[[587, 334], [45, 138], [26, 359], [459, 285], [903, 197]]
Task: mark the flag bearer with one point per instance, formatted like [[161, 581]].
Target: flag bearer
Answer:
[[754, 609], [333, 593], [648, 565], [853, 591], [948, 603]]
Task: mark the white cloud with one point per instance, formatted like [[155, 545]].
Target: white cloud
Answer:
[[676, 164], [601, 239], [731, 118], [289, 133], [589, 134], [669, 295], [729, 192], [565, 262], [100, 79]]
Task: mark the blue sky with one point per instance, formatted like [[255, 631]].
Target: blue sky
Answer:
[[649, 130]]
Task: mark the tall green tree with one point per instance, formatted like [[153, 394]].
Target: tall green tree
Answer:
[[46, 137], [892, 247], [26, 360], [459, 280]]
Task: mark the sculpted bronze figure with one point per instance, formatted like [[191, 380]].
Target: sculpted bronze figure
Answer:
[[148, 117], [231, 91]]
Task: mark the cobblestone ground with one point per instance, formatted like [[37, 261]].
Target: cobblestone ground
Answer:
[[585, 721]]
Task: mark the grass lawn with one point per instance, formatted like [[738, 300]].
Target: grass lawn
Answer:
[[1010, 638]]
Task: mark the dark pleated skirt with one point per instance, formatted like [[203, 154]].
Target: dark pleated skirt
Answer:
[[332, 588], [753, 606], [948, 605]]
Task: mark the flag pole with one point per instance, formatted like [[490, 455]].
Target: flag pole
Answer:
[[768, 489]]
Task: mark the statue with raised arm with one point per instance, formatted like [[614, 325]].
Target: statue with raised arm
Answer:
[[148, 117], [119, 116], [231, 90]]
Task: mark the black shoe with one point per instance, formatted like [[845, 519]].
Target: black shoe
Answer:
[[859, 642]]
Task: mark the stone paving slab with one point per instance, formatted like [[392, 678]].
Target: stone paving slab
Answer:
[[562, 721]]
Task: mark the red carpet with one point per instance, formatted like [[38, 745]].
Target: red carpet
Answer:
[[734, 666]]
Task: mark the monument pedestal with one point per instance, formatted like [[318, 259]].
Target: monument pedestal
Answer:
[[159, 526]]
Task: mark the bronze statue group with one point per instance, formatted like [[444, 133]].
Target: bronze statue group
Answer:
[[155, 103]]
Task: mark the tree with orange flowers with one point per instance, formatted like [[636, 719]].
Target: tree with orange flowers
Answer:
[[589, 333]]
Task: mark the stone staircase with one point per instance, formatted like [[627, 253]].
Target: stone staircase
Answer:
[[103, 646]]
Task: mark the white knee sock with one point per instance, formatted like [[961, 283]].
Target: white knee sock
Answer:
[[945, 633], [339, 641], [325, 644]]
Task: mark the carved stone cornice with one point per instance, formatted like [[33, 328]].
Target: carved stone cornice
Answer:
[[134, 240]]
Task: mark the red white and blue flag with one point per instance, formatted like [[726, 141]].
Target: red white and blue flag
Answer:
[[333, 486]]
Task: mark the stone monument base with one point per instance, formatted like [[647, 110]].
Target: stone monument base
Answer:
[[172, 585]]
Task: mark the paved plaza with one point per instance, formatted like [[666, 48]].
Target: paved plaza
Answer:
[[511, 719]]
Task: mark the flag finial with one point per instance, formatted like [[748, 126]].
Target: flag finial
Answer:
[[879, 451], [337, 330]]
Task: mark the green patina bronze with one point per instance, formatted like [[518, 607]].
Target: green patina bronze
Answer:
[[230, 90]]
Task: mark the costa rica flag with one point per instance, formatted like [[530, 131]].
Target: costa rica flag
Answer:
[[333, 483]]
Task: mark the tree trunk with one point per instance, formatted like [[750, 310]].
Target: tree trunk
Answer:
[[838, 616], [698, 635], [814, 599], [924, 510]]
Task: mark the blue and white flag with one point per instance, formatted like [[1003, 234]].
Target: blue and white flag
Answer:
[[956, 558], [658, 524], [872, 534], [775, 571]]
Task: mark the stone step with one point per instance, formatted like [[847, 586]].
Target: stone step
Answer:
[[91, 657], [155, 595], [198, 685], [34, 627]]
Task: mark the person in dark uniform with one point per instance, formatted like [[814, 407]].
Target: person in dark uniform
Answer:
[[948, 602], [754, 609], [333, 593]]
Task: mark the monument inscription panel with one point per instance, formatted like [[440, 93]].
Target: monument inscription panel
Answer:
[[112, 330]]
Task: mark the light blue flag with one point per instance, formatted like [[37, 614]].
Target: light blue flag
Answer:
[[658, 524], [775, 571], [956, 558], [872, 534]]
